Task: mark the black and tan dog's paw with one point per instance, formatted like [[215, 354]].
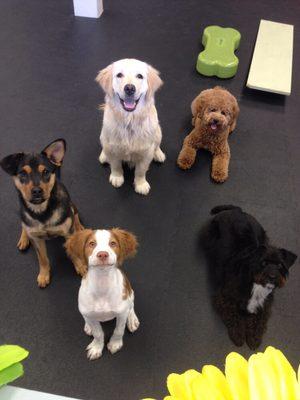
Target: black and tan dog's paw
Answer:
[[43, 280], [23, 243]]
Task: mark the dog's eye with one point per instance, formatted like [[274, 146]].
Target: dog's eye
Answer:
[[113, 243], [120, 75], [46, 173], [264, 263], [212, 109], [23, 176], [140, 76], [92, 244], [223, 112]]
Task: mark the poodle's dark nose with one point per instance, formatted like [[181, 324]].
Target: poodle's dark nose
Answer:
[[129, 89], [215, 121]]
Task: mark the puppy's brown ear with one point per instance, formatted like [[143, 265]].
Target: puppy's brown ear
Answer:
[[55, 151], [10, 163], [154, 81], [197, 106], [235, 112], [104, 78], [75, 248], [127, 241]]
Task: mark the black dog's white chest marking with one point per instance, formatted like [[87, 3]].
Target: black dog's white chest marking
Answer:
[[258, 296]]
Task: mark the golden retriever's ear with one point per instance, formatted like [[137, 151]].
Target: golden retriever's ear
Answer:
[[104, 78], [127, 241], [75, 246], [154, 81]]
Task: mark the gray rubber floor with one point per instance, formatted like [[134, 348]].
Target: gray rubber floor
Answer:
[[49, 60]]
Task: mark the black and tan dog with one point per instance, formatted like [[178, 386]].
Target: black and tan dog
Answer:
[[46, 209]]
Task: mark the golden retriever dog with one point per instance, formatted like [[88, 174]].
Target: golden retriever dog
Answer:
[[131, 132], [215, 112]]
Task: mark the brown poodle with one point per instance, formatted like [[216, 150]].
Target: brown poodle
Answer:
[[215, 112]]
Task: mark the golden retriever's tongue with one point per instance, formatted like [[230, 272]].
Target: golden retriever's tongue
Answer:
[[129, 104]]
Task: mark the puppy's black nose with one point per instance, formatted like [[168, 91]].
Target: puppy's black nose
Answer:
[[215, 121], [129, 89], [36, 191]]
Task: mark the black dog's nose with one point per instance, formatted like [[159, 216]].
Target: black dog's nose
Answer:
[[129, 89], [36, 191]]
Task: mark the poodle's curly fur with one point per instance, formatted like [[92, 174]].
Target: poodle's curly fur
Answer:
[[241, 260], [215, 113]]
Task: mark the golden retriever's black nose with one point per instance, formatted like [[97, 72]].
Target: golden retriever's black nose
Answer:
[[129, 89]]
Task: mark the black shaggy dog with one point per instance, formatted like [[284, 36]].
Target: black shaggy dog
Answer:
[[245, 270]]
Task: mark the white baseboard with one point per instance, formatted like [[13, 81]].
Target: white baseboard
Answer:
[[15, 393]]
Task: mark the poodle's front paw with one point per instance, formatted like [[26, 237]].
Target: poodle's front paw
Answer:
[[237, 336], [116, 180], [102, 158], [94, 350], [219, 176], [142, 187], [159, 156], [184, 162], [43, 279], [114, 345], [253, 342]]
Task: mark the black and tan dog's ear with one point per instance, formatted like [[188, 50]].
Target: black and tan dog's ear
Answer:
[[104, 79], [10, 163], [55, 151], [127, 241], [289, 258]]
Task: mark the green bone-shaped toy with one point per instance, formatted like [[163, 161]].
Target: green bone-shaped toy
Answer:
[[218, 58]]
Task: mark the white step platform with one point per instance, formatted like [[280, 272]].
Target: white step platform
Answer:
[[15, 393], [272, 62], [88, 8]]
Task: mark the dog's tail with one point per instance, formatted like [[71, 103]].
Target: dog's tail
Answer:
[[218, 209]]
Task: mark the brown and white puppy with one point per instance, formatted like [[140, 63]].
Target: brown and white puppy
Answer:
[[45, 205], [131, 132], [215, 113], [105, 291]]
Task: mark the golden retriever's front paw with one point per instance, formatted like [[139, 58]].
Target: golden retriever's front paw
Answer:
[[116, 180], [43, 279], [114, 345], [23, 243], [102, 158], [159, 156], [219, 176], [142, 187]]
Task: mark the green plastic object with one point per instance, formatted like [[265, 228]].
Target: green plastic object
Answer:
[[10, 366], [218, 57]]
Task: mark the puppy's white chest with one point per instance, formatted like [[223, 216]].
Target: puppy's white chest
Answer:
[[258, 297], [102, 300]]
